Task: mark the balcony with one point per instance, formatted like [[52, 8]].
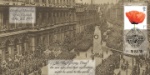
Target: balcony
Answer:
[[13, 29]]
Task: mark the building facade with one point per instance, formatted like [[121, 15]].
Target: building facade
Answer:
[[56, 20]]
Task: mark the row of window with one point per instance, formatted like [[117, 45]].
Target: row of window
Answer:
[[46, 2], [42, 19], [53, 18], [87, 18], [48, 19]]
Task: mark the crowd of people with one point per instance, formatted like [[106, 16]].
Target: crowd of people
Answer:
[[142, 63], [108, 65], [23, 66], [30, 63], [85, 40]]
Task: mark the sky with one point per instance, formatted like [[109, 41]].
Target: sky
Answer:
[[96, 1]]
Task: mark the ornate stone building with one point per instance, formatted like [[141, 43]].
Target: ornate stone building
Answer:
[[86, 15], [56, 20]]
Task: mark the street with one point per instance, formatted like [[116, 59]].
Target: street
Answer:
[[82, 56]]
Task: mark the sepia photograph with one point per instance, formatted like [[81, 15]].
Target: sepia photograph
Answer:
[[74, 37]]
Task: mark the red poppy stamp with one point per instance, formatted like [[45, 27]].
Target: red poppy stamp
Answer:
[[135, 30], [135, 17]]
